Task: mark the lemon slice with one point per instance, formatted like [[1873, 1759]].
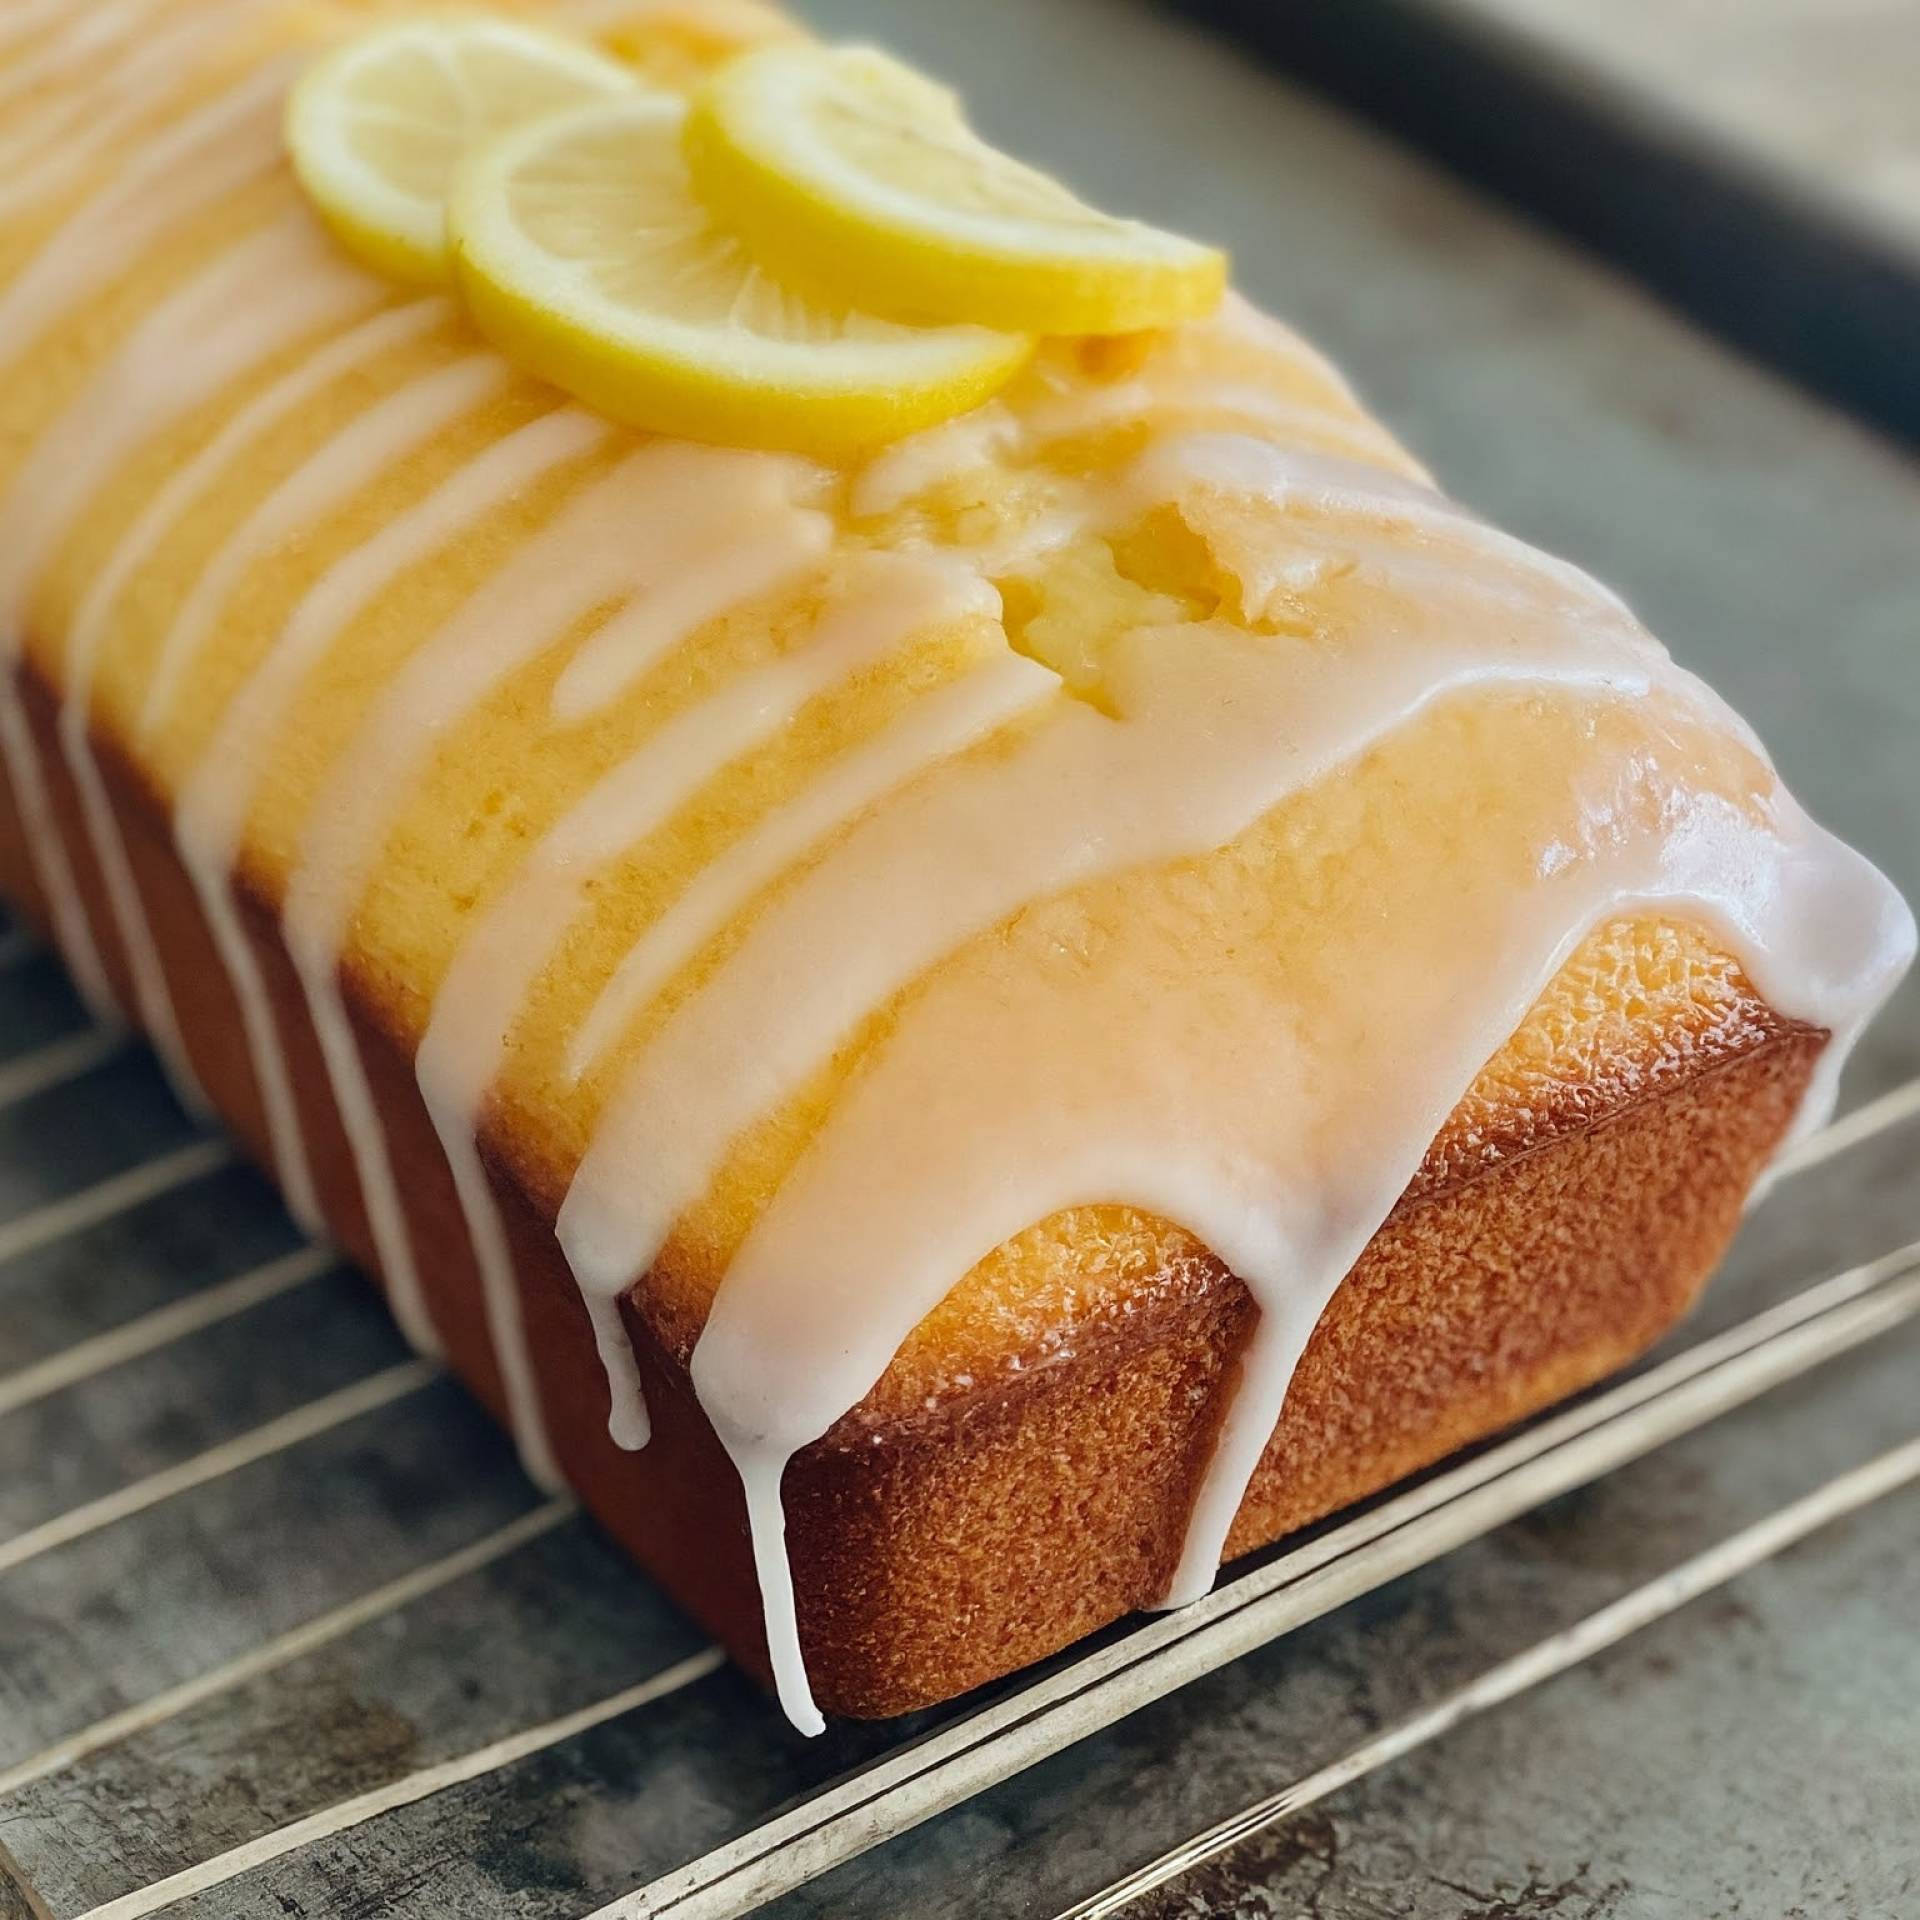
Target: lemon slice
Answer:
[[377, 125], [584, 255], [845, 165]]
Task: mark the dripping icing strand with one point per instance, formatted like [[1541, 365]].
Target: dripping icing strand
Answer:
[[604, 545], [255, 300], [176, 359], [208, 154], [1077, 797], [210, 812], [941, 725], [360, 346], [1213, 730], [217, 793], [506, 471], [37, 161], [505, 952], [79, 34]]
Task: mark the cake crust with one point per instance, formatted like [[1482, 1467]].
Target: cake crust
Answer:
[[943, 1538]]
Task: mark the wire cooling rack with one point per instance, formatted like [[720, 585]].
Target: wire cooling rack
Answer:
[[283, 1631], [274, 1601]]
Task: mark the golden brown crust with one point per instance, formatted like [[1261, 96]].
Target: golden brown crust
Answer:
[[942, 1540]]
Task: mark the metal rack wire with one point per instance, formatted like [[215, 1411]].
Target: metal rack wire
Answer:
[[895, 1780]]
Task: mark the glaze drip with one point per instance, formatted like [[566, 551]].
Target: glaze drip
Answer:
[[90, 630], [504, 954], [214, 803], [182, 170], [51, 154], [260, 299]]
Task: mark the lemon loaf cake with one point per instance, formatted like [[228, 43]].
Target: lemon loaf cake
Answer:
[[908, 887]]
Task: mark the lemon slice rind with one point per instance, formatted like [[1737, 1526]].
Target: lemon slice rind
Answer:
[[584, 255], [405, 99], [845, 168]]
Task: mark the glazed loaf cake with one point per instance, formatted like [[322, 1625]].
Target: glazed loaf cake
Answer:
[[950, 1036]]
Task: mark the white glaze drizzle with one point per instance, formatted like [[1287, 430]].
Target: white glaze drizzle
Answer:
[[1238, 466], [21, 21], [504, 472], [1069, 786], [91, 627], [206, 155], [937, 456], [252, 301], [172, 362], [183, 169], [341, 468], [1086, 409], [1215, 728], [756, 548], [37, 160], [937, 727], [344, 465], [512, 940], [74, 39], [217, 795], [599, 16], [932, 457], [565, 569], [52, 871], [601, 546], [1238, 319]]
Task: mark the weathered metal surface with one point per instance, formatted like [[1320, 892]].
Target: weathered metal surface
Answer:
[[1075, 1823], [1482, 1825], [354, 1606], [1820, 93], [1756, 164], [129, 1118]]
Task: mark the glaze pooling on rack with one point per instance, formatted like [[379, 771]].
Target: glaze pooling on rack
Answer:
[[922, 881]]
